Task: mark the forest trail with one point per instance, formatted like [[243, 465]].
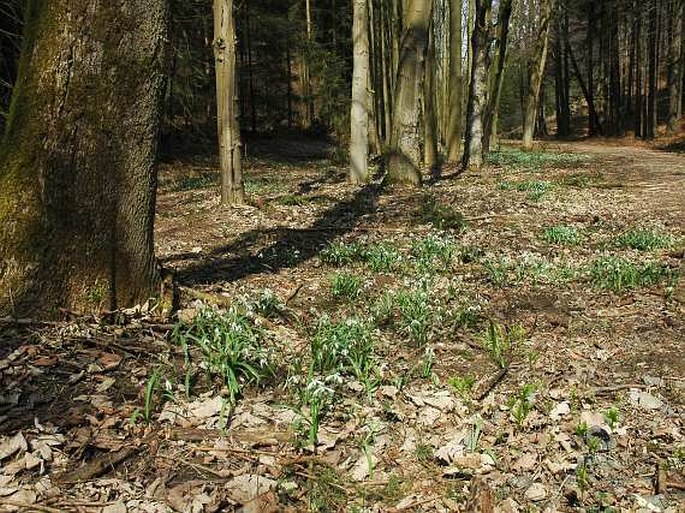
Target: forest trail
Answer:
[[655, 177]]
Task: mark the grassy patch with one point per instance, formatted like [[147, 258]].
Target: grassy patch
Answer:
[[535, 160], [561, 235], [345, 285], [382, 257], [643, 240], [189, 183], [535, 189], [341, 253], [619, 274], [433, 251], [580, 180]]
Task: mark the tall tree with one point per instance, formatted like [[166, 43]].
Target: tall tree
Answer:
[[491, 111], [405, 160], [675, 64], [232, 189], [430, 105], [77, 164], [455, 87], [478, 89], [536, 71], [359, 111]]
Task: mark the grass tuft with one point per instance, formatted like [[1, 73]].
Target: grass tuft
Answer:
[[644, 240]]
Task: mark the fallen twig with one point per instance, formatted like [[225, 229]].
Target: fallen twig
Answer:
[[492, 383]]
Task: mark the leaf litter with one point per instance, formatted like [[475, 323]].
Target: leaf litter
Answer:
[[584, 413]]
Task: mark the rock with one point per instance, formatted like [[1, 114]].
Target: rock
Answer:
[[560, 410], [536, 492], [653, 381], [645, 400]]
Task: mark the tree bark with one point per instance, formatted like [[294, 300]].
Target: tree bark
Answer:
[[359, 111], [77, 165], [405, 160], [430, 120], [232, 190], [473, 147], [456, 87], [536, 72], [489, 124], [675, 70]]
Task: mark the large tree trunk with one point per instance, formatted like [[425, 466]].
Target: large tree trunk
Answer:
[[675, 70], [359, 115], [536, 72], [77, 165], [232, 190], [405, 161], [480, 42], [455, 84]]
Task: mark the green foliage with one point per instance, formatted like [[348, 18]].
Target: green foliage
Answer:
[[345, 285], [189, 183], [619, 274], [415, 314], [561, 234], [441, 216], [314, 400], [644, 240], [534, 160], [382, 257], [581, 429], [432, 251], [463, 385], [523, 402], [536, 189], [268, 304], [502, 341], [612, 417], [230, 348], [340, 253], [345, 348]]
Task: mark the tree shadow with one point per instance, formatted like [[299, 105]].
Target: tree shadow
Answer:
[[291, 247]]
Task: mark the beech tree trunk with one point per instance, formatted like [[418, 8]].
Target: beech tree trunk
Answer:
[[455, 84], [232, 190], [536, 72], [359, 112], [430, 107], [480, 40], [77, 165], [405, 161]]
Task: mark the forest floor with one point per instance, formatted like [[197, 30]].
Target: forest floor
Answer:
[[513, 337]]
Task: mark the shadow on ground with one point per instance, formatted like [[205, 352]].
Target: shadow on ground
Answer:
[[291, 247]]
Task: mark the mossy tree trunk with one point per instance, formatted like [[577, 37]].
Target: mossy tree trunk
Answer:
[[406, 157], [77, 165]]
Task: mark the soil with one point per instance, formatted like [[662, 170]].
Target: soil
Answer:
[[584, 412]]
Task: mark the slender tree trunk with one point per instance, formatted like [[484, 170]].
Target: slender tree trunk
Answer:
[[562, 76], [232, 190], [456, 86], [250, 72], [489, 124], [675, 70], [537, 72], [359, 115], [77, 164], [639, 82], [430, 121], [653, 69], [307, 69], [405, 160], [478, 89], [596, 127]]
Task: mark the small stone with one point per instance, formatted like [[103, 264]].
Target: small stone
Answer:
[[645, 400], [536, 492], [560, 410], [653, 381]]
